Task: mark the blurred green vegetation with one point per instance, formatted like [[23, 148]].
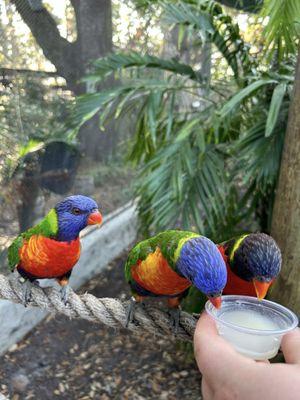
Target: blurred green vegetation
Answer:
[[207, 143], [209, 124], [201, 99], [32, 112]]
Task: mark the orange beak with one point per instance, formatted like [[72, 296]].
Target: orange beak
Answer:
[[94, 218], [216, 301], [261, 288]]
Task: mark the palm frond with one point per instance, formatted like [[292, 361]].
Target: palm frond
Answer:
[[210, 23], [242, 94], [282, 29], [183, 13], [260, 155], [104, 67], [187, 188], [205, 168], [118, 98], [276, 101]]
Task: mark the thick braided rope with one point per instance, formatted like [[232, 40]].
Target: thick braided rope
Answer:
[[109, 311]]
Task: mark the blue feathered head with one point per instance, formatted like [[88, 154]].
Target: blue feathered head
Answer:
[[201, 262], [74, 213]]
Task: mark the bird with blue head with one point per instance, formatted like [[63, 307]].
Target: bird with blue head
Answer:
[[50, 249], [253, 262], [167, 264]]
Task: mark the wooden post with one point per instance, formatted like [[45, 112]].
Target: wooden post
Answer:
[[286, 214]]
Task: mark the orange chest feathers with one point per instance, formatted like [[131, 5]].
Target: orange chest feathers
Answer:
[[47, 258], [155, 275]]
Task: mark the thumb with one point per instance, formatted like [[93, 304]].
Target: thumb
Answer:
[[291, 347]]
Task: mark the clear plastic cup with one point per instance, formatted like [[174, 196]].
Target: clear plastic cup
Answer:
[[254, 327]]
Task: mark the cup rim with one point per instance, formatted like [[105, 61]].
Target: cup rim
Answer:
[[253, 300]]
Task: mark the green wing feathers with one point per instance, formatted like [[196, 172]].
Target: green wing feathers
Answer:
[[48, 227], [13, 252], [139, 252], [131, 260], [167, 241]]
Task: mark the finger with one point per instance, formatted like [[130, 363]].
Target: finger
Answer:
[[291, 347], [207, 392], [212, 352]]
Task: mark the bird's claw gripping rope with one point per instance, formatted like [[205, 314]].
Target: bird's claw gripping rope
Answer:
[[64, 294], [27, 293], [130, 311], [175, 315]]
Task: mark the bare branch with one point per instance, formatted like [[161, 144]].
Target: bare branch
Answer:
[[45, 31], [13, 71]]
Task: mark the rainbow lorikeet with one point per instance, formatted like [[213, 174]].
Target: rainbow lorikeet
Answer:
[[253, 262], [167, 264], [51, 248]]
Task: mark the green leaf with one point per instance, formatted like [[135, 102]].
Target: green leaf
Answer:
[[281, 32], [30, 146], [181, 34], [242, 95], [170, 115], [209, 22], [104, 67], [185, 13], [186, 130], [275, 105]]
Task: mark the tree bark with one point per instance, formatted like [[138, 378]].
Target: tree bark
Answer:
[[72, 60], [94, 29], [286, 214], [25, 183], [44, 29]]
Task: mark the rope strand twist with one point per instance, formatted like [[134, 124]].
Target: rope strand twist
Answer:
[[109, 311]]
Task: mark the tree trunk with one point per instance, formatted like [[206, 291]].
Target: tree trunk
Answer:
[[72, 60], [27, 189], [94, 26], [286, 214]]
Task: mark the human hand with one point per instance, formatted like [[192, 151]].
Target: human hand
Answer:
[[227, 375]]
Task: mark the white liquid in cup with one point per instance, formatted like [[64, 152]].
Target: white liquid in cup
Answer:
[[249, 319], [265, 346], [254, 327]]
